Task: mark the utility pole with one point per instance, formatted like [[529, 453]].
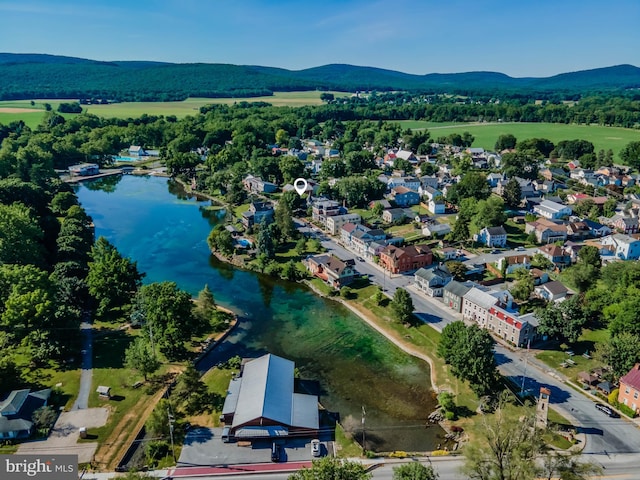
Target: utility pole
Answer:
[[171, 423], [364, 446]]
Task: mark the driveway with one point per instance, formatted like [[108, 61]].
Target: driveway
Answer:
[[65, 433]]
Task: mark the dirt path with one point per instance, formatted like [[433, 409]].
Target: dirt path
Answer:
[[112, 450]]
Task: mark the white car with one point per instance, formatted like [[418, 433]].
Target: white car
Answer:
[[315, 448]]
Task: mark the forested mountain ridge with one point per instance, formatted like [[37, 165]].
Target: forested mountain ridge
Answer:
[[27, 76]]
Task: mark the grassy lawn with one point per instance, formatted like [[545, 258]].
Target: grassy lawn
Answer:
[[404, 230], [321, 286], [108, 370], [347, 446], [516, 235], [217, 380], [240, 209], [586, 343], [486, 134]]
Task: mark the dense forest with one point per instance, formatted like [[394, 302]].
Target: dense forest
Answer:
[[27, 76]]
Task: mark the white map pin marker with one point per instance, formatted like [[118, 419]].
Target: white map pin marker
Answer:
[[300, 185]]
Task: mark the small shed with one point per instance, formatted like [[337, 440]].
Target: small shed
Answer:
[[104, 392], [606, 387], [587, 378]]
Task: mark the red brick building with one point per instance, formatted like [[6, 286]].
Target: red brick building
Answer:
[[405, 259]]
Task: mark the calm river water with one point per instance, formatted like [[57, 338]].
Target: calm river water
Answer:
[[151, 220]]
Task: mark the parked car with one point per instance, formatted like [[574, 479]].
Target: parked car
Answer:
[[315, 448], [520, 249], [607, 410], [360, 259]]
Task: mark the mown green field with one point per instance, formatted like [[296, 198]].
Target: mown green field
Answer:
[[190, 106], [486, 134]]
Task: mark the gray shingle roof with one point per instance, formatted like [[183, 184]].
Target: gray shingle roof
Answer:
[[456, 288]]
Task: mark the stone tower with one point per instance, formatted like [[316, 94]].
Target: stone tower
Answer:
[[542, 408]]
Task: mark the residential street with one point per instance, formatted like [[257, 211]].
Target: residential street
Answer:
[[605, 435]]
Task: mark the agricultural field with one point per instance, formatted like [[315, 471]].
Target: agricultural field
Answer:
[[13, 110], [486, 134]]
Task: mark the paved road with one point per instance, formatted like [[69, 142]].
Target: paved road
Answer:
[[619, 467], [86, 375], [604, 435], [427, 310]]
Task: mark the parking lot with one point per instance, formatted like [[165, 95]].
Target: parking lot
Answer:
[[204, 446]]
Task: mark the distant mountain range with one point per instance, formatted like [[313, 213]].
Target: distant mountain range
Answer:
[[51, 76]]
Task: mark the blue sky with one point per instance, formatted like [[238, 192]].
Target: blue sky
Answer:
[[516, 37]]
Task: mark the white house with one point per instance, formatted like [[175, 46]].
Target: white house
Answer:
[[626, 246], [492, 236], [552, 210], [436, 206], [551, 291], [436, 229], [334, 224], [476, 305]]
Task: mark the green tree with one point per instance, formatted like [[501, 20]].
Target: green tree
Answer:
[[540, 261], [27, 299], [452, 336], [583, 275], [630, 154], [541, 147], [489, 213], [284, 221], [20, 236], [301, 246], [609, 207], [193, 392], [457, 269], [220, 240], [158, 422], [590, 255], [290, 168], [469, 351], [377, 209], [205, 306], [44, 418], [506, 450], [265, 245], [621, 352], [523, 287], [414, 471], [402, 306], [564, 320], [330, 468], [473, 185], [167, 311], [512, 193], [139, 356], [505, 141], [623, 316], [112, 278]]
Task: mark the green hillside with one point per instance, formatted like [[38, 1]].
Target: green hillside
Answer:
[[47, 76]]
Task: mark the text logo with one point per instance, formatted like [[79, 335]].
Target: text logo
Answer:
[[38, 467]]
